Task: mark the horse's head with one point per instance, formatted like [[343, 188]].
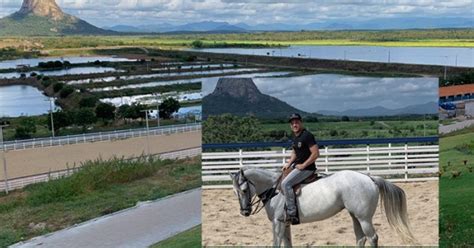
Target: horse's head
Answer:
[[244, 190]]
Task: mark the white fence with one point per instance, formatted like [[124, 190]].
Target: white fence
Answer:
[[397, 163], [96, 137], [19, 183]]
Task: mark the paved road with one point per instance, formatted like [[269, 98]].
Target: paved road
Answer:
[[453, 127], [141, 226]]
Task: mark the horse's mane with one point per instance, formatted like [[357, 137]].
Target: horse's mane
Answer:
[[267, 172]]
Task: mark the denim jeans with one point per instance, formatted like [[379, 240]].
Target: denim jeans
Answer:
[[296, 176]]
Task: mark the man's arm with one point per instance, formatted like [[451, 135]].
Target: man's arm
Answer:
[[292, 160], [312, 158]]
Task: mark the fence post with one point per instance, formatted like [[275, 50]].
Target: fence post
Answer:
[[389, 156], [241, 162], [326, 159], [284, 155], [406, 161], [368, 159]]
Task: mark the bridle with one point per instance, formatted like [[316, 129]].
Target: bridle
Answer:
[[258, 199]]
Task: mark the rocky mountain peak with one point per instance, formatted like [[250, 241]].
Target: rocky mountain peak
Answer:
[[46, 8], [238, 88]]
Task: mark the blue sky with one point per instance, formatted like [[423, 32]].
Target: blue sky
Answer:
[[136, 12]]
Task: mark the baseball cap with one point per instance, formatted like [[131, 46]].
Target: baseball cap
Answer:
[[295, 116]]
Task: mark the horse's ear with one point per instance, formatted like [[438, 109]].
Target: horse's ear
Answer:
[[232, 175], [242, 172]]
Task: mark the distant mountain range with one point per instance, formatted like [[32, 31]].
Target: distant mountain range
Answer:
[[427, 108], [373, 24], [206, 26], [45, 17]]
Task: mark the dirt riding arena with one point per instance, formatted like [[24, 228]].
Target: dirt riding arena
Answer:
[[29, 162], [223, 225]]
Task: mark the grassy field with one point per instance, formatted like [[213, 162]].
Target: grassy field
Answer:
[[68, 45], [457, 194], [363, 129], [99, 188], [190, 238]]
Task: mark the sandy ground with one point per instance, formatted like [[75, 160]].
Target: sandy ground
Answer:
[[42, 160], [223, 225]]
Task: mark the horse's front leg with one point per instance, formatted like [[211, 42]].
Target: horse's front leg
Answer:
[[287, 238], [281, 233]]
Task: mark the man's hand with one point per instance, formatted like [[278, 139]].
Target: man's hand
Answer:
[[300, 166]]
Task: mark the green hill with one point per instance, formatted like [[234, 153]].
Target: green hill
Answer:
[[240, 96], [45, 18], [32, 25]]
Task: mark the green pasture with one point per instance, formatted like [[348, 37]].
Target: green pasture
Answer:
[[66, 45], [456, 220], [363, 129]]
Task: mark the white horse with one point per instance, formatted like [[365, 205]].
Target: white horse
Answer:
[[356, 192]]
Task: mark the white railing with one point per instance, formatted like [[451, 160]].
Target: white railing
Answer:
[[18, 183], [397, 163], [96, 137]]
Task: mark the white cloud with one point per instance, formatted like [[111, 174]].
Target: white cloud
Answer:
[[112, 12]]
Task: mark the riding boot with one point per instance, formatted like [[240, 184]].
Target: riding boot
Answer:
[[289, 217]]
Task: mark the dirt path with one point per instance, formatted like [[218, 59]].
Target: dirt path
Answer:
[[140, 226], [223, 225]]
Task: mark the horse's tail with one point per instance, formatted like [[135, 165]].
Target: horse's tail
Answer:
[[395, 206]]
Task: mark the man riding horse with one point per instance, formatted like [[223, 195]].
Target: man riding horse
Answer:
[[302, 161]]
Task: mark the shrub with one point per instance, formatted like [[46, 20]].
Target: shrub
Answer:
[[88, 102], [66, 91], [57, 87]]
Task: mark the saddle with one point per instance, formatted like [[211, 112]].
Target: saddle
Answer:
[[297, 187]]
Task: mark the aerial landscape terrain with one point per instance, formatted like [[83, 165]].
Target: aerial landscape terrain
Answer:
[[101, 105]]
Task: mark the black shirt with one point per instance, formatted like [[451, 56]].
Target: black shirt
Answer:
[[301, 145]]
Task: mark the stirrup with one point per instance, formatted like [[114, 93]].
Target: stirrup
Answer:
[[290, 219]]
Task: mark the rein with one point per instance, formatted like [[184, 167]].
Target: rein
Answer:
[[264, 197]]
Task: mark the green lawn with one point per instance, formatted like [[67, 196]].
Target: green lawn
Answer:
[[456, 223], [455, 150], [99, 188], [190, 238]]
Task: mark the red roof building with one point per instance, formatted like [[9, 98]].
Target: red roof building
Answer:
[[456, 93]]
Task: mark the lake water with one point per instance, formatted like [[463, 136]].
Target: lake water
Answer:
[[21, 100], [333, 92], [71, 71], [7, 64], [158, 75], [194, 66], [406, 55], [171, 82]]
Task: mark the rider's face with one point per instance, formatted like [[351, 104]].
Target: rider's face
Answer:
[[296, 125]]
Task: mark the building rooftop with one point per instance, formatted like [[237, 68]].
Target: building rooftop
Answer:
[[456, 90]]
